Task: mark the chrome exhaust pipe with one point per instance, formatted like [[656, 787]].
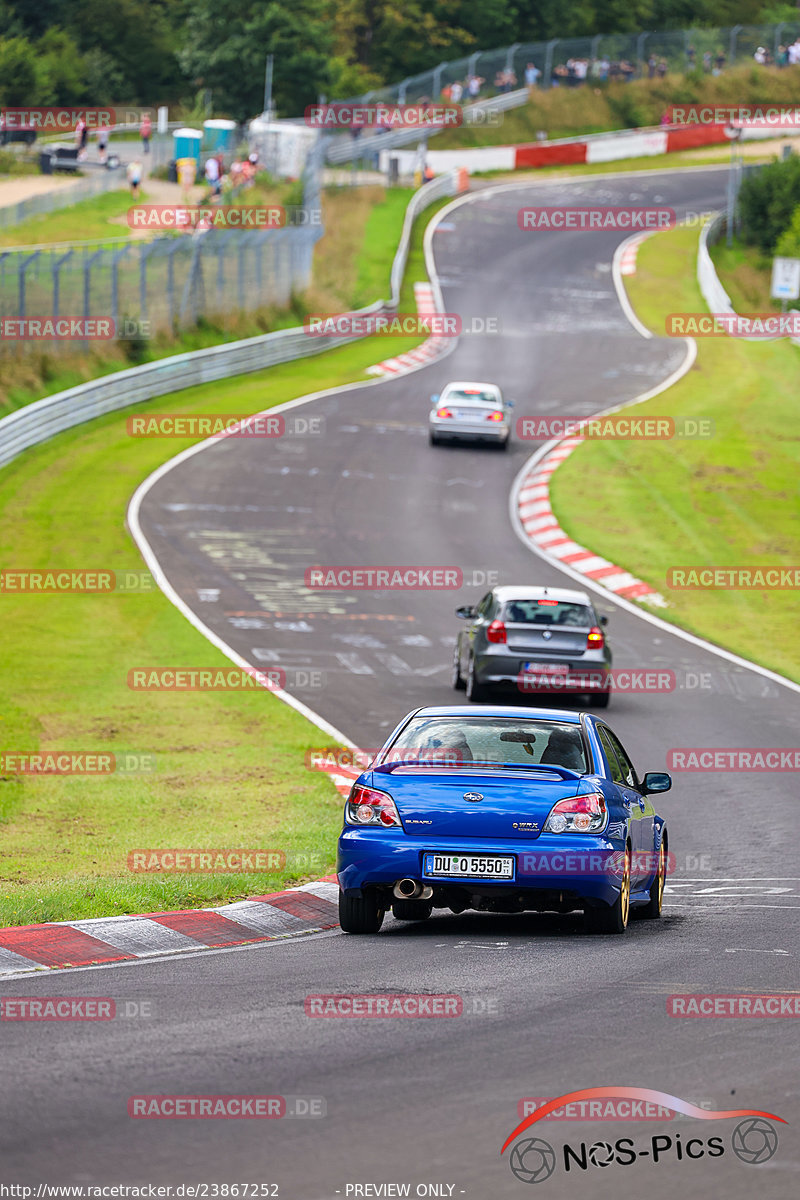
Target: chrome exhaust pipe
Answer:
[[411, 889]]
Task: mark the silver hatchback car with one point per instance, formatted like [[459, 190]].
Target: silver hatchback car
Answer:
[[470, 412], [540, 640]]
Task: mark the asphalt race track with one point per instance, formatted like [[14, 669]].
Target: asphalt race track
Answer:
[[547, 1010]]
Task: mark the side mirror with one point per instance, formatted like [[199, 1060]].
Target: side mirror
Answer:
[[509, 403], [435, 399], [656, 781], [465, 611], [603, 620]]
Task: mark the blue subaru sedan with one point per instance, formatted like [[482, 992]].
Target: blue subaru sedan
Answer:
[[502, 810]]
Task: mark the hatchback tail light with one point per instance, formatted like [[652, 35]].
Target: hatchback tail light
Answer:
[[496, 632], [366, 806], [443, 412], [578, 814], [596, 639]]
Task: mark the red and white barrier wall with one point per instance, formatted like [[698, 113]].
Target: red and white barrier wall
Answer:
[[592, 148]]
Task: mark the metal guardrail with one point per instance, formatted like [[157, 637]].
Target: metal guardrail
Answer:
[[37, 422], [347, 148], [714, 293]]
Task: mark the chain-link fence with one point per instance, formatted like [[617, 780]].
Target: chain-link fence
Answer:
[[607, 56], [163, 284]]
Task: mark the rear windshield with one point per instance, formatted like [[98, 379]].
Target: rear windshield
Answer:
[[454, 741], [463, 396], [548, 612]]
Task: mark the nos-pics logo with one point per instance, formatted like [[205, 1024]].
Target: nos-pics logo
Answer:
[[754, 1139]]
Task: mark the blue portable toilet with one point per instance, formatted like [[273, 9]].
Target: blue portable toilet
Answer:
[[186, 143], [218, 136]]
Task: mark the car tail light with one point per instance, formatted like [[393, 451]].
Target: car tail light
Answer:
[[443, 412], [595, 640], [494, 416], [578, 814], [496, 632], [366, 806]]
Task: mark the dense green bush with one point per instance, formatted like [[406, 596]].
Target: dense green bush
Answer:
[[767, 202]]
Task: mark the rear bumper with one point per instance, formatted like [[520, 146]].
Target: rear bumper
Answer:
[[585, 867], [470, 433], [582, 675]]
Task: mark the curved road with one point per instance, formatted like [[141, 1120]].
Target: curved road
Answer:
[[549, 1010]]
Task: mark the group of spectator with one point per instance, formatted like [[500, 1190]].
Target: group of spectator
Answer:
[[577, 71], [241, 173], [787, 56]]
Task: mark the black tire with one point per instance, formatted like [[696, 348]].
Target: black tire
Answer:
[[475, 691], [411, 910], [456, 678], [613, 918], [504, 445], [360, 914], [433, 439], [652, 910], [601, 699]]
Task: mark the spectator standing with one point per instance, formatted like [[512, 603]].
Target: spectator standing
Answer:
[[134, 174], [474, 86], [719, 62], [212, 174], [81, 137], [760, 55], [145, 133], [691, 58], [793, 54], [652, 63], [707, 61], [661, 68], [532, 77], [456, 92], [103, 136]]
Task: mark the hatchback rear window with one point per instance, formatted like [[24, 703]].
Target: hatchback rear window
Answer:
[[548, 612]]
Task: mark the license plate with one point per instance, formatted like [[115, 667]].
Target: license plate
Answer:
[[546, 668], [468, 866]]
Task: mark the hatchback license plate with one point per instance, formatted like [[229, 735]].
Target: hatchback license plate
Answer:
[[468, 866], [547, 668]]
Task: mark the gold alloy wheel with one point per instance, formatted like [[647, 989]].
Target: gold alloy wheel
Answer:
[[625, 889]]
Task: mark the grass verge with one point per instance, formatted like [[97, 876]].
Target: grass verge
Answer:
[[727, 500], [351, 268], [230, 765]]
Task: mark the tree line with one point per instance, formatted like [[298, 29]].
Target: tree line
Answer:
[[146, 52]]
